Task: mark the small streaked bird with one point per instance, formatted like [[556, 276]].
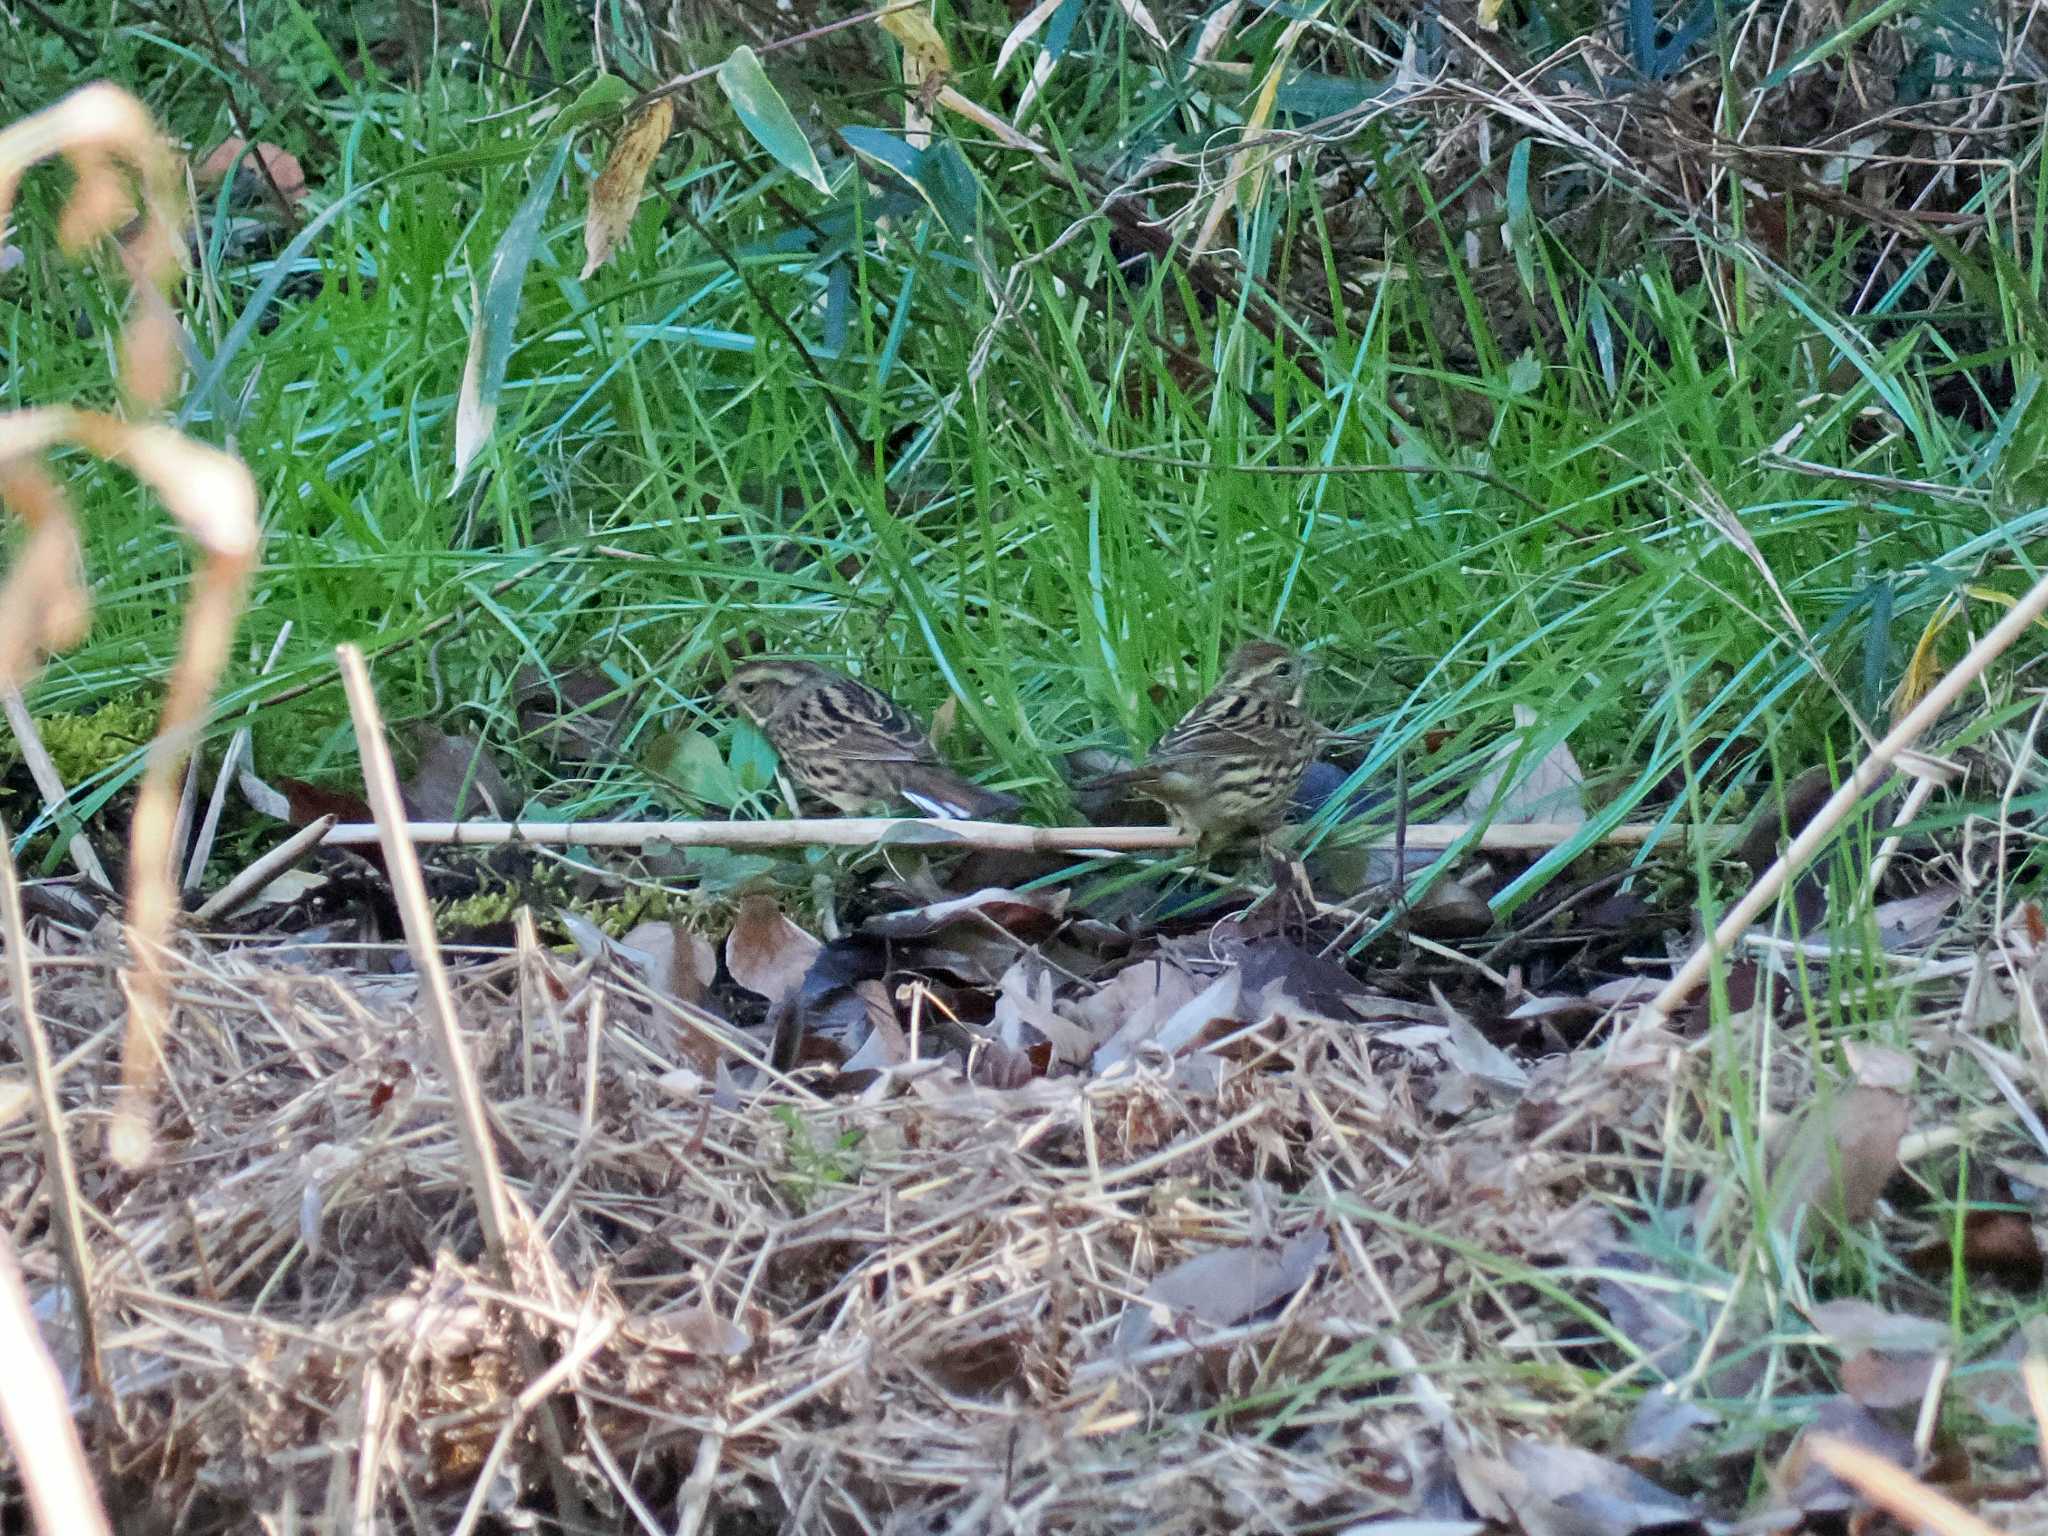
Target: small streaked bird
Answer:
[[851, 745], [1234, 760]]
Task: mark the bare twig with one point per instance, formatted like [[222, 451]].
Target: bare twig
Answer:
[[1875, 767], [866, 831]]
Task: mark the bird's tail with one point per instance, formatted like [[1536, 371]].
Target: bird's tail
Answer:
[[938, 792]]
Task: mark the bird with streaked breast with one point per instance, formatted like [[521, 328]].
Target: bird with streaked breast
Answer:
[[1233, 761], [851, 745]]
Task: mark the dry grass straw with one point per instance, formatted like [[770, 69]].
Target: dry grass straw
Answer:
[[101, 130], [899, 1308], [505, 1230], [37, 1419], [753, 1299]]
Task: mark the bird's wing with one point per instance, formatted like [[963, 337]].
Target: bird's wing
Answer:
[[1217, 727], [862, 723]]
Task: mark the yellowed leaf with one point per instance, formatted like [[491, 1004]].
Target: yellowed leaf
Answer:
[[1489, 15], [927, 66], [925, 55], [615, 195]]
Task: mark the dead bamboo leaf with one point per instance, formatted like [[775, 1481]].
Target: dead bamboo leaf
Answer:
[[615, 195]]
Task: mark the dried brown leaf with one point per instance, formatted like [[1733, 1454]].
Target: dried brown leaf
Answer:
[[455, 778], [672, 959], [1561, 1490], [1138, 995], [1188, 1025], [1810, 1487], [1028, 915], [1851, 1325], [766, 952], [1221, 1287], [1878, 1379], [1024, 1001], [886, 1044], [1839, 1154], [615, 195]]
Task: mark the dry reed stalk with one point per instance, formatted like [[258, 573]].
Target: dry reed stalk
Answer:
[[495, 1207], [866, 831]]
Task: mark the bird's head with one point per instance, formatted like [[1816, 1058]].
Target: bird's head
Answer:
[[756, 688], [1266, 671]]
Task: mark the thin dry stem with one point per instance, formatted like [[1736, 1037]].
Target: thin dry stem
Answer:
[[1875, 767], [47, 1453], [60, 1170], [868, 831]]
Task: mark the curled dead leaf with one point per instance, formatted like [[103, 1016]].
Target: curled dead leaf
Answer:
[[766, 952], [264, 167], [615, 195]]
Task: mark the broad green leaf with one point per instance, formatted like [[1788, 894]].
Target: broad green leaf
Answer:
[[691, 760], [752, 759], [767, 116], [949, 181], [497, 313], [1525, 372], [603, 96], [884, 148], [940, 175]]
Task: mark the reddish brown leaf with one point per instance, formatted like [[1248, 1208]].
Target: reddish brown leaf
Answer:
[[1839, 1155], [264, 167], [766, 952], [1997, 1245]]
